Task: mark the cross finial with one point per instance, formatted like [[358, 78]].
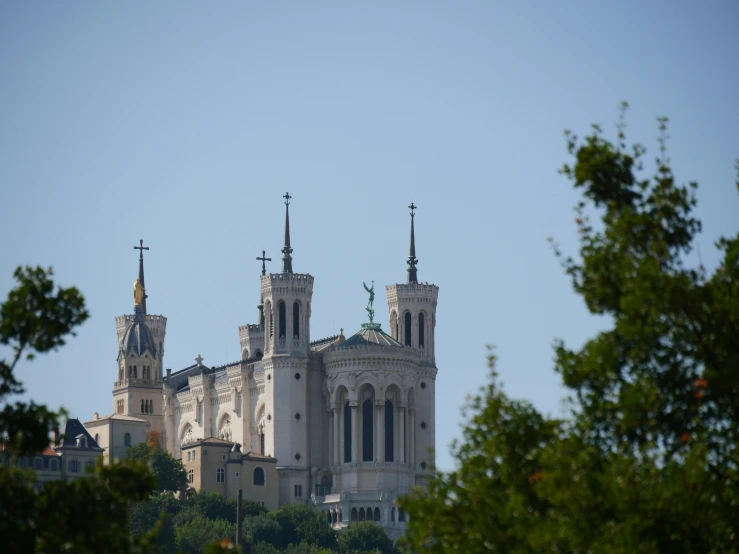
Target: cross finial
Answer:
[[264, 259], [412, 208], [199, 359], [287, 198], [141, 248]]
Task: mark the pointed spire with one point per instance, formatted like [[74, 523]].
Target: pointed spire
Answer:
[[287, 261], [139, 287], [412, 261]]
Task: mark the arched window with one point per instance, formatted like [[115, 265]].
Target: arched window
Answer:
[[142, 406], [258, 477], [261, 443], [347, 433], [389, 426], [392, 514], [282, 320], [97, 439], [259, 355], [354, 514], [296, 320], [135, 372], [401, 514], [120, 374], [367, 435], [421, 337], [127, 439], [361, 514], [377, 514], [407, 330]]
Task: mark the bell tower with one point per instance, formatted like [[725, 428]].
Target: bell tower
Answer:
[[137, 390], [286, 299], [412, 306]]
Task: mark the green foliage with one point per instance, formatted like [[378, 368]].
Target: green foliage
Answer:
[[83, 515], [262, 529], [646, 460], [303, 524], [170, 473], [195, 535], [363, 537]]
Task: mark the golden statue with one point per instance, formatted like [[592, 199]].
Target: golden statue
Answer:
[[138, 293]]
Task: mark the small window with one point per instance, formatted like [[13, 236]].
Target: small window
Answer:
[[89, 466], [52, 465], [220, 475], [297, 456], [223, 457], [191, 476], [237, 475], [423, 384], [298, 491], [97, 439], [401, 514], [297, 416], [297, 376], [423, 425], [127, 439], [258, 477], [74, 466], [38, 463], [194, 454]]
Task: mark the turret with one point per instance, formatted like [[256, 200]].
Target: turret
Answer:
[[412, 306]]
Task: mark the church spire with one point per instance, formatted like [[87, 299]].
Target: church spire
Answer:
[[287, 261], [412, 261], [139, 288]]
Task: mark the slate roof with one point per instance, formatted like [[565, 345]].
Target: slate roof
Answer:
[[138, 339], [72, 429], [371, 334]]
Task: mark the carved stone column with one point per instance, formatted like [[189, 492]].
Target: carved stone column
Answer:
[[330, 438], [380, 430], [355, 441], [401, 434], [411, 436]]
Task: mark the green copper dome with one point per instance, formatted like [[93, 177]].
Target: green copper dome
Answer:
[[371, 334]]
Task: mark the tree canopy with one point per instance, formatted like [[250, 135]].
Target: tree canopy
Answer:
[[170, 473], [645, 461], [84, 515]]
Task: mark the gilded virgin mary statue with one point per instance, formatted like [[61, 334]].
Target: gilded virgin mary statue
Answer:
[[138, 293]]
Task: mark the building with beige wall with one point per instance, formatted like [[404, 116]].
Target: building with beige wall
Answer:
[[217, 465], [116, 433], [71, 455]]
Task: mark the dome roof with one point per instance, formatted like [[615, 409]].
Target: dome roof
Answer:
[[138, 338], [371, 334]]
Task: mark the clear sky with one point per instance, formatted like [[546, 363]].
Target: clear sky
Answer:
[[184, 123]]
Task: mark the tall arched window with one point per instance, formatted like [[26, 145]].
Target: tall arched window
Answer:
[[142, 406], [261, 443], [421, 326], [296, 320], [377, 514], [389, 426], [407, 326], [367, 435], [347, 433], [282, 320], [127, 439], [258, 477], [259, 355]]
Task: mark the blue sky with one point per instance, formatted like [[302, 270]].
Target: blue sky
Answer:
[[184, 123]]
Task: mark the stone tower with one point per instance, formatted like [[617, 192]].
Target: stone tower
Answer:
[[286, 299], [138, 389], [412, 306]]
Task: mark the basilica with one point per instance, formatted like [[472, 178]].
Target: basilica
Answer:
[[346, 424]]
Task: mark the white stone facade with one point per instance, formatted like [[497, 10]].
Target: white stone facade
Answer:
[[350, 421]]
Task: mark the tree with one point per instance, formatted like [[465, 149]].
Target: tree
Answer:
[[646, 460], [85, 515], [170, 473], [303, 524], [194, 536], [365, 536]]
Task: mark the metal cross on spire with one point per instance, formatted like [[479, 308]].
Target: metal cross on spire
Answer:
[[412, 261], [141, 249], [287, 261], [264, 259]]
